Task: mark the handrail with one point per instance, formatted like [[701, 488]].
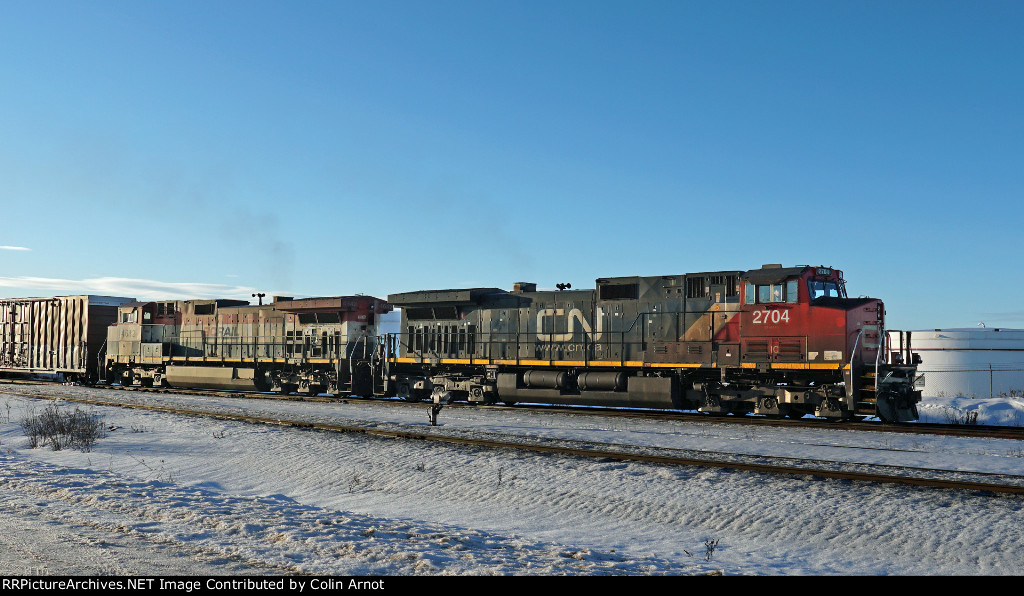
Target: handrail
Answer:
[[853, 352]]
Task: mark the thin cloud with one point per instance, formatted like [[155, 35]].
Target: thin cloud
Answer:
[[143, 289], [14, 248]]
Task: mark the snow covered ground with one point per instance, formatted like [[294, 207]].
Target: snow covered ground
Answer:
[[165, 494], [998, 411]]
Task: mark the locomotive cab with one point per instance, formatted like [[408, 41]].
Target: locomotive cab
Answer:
[[800, 322], [134, 339]]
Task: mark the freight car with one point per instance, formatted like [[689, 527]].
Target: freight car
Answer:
[[56, 335], [774, 340], [309, 345]]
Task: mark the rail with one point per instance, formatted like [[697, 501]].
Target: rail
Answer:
[[605, 348], [201, 344]]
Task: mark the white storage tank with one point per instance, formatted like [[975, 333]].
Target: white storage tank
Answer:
[[973, 362]]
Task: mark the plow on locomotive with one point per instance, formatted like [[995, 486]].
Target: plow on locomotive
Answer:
[[775, 341]]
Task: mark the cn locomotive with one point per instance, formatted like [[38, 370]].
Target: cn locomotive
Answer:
[[779, 341]]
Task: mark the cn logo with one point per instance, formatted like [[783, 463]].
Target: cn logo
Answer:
[[575, 317]]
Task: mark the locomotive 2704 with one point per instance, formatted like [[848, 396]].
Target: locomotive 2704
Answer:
[[780, 341]]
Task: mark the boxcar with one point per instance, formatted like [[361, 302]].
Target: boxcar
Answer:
[[58, 335]]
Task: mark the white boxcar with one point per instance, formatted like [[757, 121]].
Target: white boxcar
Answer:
[[55, 335]]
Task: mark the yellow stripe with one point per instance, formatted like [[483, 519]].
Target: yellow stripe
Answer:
[[626, 364], [798, 365]]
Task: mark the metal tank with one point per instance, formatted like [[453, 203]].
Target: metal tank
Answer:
[[970, 362]]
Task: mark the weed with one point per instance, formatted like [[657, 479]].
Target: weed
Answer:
[[954, 416], [709, 548], [356, 481], [160, 472], [501, 473], [61, 429]]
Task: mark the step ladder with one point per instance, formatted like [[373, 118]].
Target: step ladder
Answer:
[[866, 403]]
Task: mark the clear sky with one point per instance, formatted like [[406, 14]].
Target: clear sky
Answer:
[[218, 148]]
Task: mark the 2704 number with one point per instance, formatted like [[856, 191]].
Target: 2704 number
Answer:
[[770, 316]]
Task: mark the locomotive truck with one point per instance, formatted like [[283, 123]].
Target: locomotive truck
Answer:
[[779, 341]]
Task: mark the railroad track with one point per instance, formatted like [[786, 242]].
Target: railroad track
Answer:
[[1012, 485], [952, 430]]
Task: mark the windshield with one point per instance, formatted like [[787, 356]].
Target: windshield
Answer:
[[825, 289]]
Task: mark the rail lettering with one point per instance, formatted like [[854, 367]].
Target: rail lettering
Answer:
[[770, 316], [575, 316]]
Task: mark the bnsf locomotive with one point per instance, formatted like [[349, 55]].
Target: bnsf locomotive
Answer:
[[775, 341]]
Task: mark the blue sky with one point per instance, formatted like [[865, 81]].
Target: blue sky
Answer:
[[177, 149]]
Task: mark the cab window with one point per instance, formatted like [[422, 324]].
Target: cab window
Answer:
[[772, 293], [825, 289]]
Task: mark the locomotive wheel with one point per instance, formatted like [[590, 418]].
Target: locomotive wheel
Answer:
[[287, 388], [771, 403], [714, 406], [476, 395], [405, 392]]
